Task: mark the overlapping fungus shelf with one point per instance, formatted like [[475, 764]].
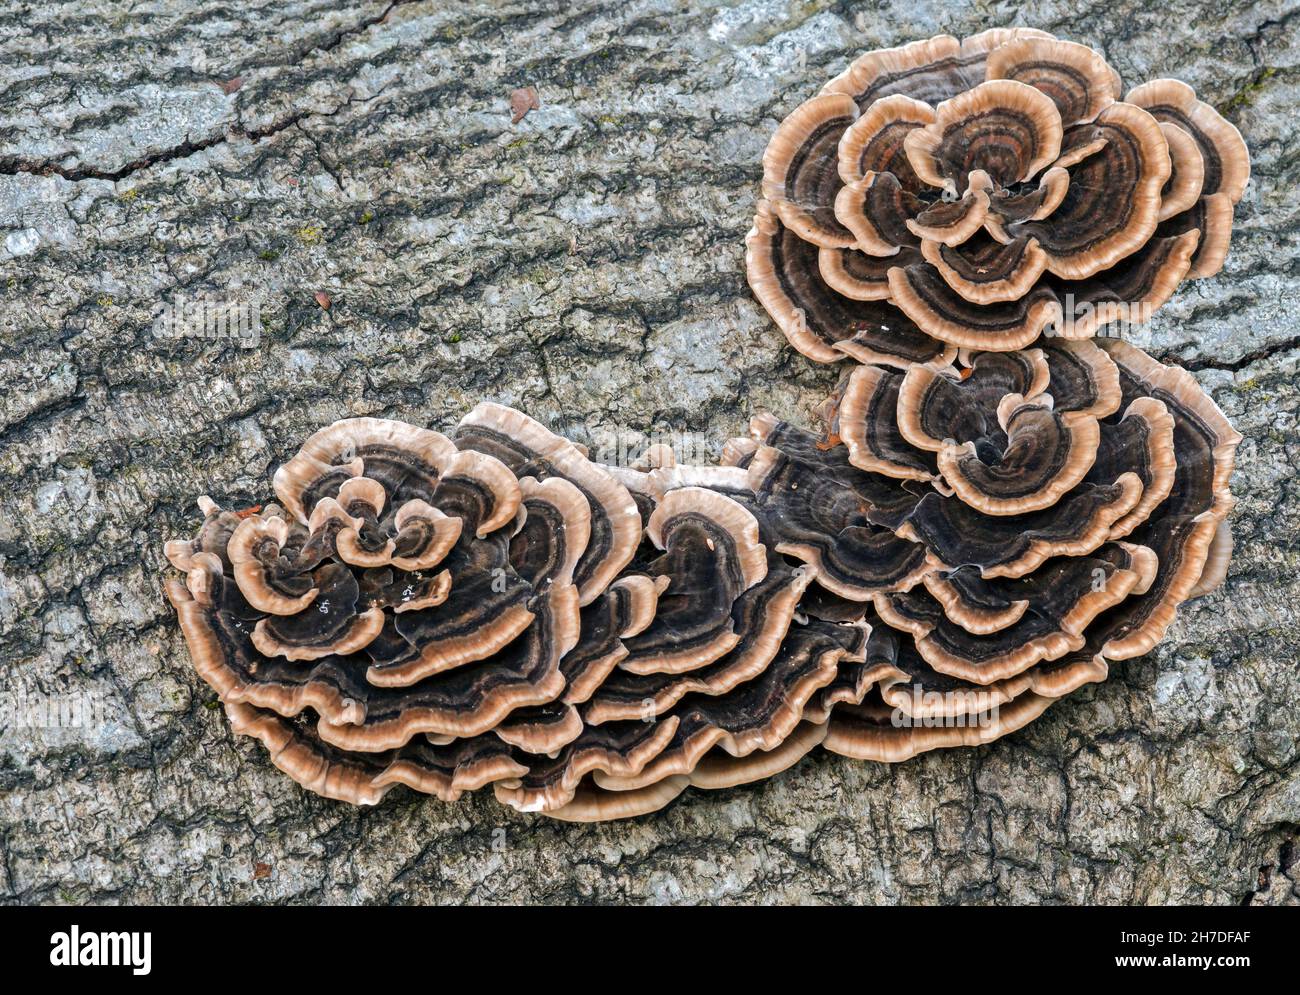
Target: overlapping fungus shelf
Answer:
[[997, 508]]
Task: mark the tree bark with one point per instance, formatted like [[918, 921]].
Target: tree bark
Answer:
[[585, 265]]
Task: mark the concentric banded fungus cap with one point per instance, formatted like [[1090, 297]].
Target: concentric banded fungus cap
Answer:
[[1065, 500], [988, 190], [529, 449], [496, 610]]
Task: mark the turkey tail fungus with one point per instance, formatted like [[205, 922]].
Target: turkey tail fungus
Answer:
[[980, 193], [998, 508]]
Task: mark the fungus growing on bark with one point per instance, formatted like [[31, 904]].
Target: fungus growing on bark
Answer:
[[1062, 502], [495, 608], [991, 531], [981, 192], [991, 518]]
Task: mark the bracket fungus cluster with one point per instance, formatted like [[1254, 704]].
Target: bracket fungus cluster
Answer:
[[494, 608], [1009, 504], [1007, 524], [972, 194], [990, 518]]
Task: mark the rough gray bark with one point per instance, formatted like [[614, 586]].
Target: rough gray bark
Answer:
[[585, 265]]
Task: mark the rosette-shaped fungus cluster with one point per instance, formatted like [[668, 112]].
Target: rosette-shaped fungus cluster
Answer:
[[1008, 524], [496, 609], [968, 542], [992, 516], [973, 194]]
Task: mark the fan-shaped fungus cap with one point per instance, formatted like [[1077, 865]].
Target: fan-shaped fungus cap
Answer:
[[1223, 150], [801, 169], [269, 583], [529, 449], [692, 626], [785, 274], [1077, 79], [989, 519], [1003, 128], [875, 142], [1094, 227], [932, 70], [335, 627], [988, 189], [1027, 470]]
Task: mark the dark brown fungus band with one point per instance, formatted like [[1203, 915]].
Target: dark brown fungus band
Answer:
[[991, 517], [786, 275], [988, 190]]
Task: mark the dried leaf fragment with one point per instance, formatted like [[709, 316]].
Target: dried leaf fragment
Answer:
[[522, 101]]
